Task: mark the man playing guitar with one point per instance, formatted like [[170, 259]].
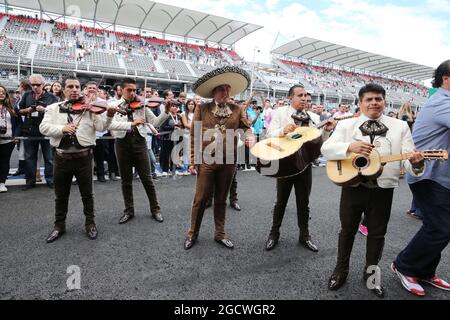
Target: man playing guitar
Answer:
[[282, 124], [360, 135]]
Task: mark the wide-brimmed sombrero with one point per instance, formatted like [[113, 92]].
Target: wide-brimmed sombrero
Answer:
[[235, 77]]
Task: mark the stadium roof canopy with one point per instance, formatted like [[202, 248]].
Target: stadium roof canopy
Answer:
[[145, 15], [330, 53]]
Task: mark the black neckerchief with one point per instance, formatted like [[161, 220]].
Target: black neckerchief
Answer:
[[301, 118], [373, 128]]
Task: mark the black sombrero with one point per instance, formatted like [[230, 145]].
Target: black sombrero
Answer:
[[237, 78]]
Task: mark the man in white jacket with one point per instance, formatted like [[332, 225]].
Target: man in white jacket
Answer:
[[131, 149], [374, 197], [73, 136], [282, 124]]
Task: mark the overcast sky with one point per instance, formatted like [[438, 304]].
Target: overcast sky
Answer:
[[411, 30]]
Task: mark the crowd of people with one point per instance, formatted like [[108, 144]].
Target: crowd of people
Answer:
[[259, 112], [130, 128]]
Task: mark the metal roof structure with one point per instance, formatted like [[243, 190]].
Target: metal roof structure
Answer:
[[145, 15], [330, 53]]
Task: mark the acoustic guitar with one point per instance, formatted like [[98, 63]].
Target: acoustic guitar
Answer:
[[289, 155], [361, 168]]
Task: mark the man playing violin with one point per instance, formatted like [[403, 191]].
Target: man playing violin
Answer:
[[71, 127], [131, 148], [282, 124]]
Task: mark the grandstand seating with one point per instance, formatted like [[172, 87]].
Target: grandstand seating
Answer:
[[201, 69], [175, 67], [139, 62], [54, 53], [22, 27], [85, 48], [97, 58], [14, 47]]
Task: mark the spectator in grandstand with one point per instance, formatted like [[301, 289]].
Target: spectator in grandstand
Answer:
[[48, 87], [167, 96], [10, 124], [117, 92], [343, 111], [131, 150], [33, 105], [151, 133], [24, 86], [186, 118], [391, 114], [169, 138], [267, 113], [256, 123], [405, 114], [197, 100], [333, 112], [308, 102], [103, 94], [323, 114], [56, 90], [279, 104], [182, 101]]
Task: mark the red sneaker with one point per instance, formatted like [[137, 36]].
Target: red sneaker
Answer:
[[409, 283], [438, 283]]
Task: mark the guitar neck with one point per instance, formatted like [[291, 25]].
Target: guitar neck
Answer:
[[395, 157]]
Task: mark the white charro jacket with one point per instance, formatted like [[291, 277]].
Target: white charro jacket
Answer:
[[398, 140], [54, 121], [145, 113]]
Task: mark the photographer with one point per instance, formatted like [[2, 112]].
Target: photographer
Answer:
[[9, 127], [32, 106]]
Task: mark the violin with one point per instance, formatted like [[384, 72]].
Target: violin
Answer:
[[153, 102], [97, 107], [133, 105]]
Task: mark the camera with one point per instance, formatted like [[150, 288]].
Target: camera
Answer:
[[2, 130]]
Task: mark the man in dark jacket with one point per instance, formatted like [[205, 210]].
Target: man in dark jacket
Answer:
[[32, 106]]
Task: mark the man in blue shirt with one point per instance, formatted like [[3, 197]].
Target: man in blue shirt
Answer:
[[419, 260], [255, 120]]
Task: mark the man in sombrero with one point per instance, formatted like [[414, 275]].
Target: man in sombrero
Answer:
[[214, 137]]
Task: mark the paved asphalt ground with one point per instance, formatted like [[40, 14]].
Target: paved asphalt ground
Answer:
[[146, 260]]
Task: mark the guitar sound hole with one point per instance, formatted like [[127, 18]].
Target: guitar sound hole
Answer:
[[361, 162], [296, 136]]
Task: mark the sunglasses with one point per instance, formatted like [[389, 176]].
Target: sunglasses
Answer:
[[36, 84]]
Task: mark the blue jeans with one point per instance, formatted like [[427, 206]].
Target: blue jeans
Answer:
[[31, 150], [152, 158], [422, 255]]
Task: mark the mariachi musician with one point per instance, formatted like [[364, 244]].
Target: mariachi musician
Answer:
[[131, 147], [71, 126], [370, 131], [214, 159], [286, 120]]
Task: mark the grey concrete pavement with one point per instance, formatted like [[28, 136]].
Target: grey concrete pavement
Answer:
[[144, 259]]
